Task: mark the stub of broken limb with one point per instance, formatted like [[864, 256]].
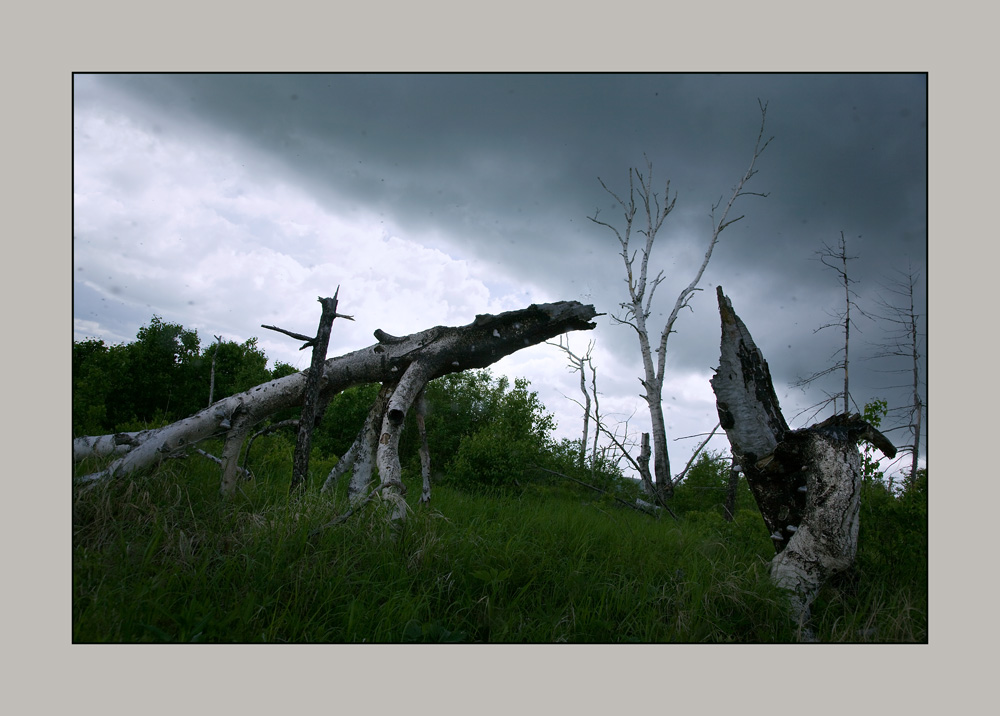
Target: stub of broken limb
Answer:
[[852, 428], [848, 429]]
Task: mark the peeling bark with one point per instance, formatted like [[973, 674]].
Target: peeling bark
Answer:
[[361, 454], [104, 445], [405, 364], [806, 482]]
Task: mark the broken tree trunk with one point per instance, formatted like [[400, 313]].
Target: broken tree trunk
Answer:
[[806, 482], [403, 365], [311, 411]]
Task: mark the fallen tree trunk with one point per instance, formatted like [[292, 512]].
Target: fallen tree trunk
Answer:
[[403, 365], [806, 482]]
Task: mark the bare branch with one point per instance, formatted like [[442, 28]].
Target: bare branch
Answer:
[[640, 305]]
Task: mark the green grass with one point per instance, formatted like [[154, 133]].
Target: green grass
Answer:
[[162, 557]]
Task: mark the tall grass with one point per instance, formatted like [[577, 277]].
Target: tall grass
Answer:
[[162, 557]]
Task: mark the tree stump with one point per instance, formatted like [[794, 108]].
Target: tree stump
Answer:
[[807, 482]]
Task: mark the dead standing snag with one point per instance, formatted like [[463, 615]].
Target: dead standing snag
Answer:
[[806, 482]]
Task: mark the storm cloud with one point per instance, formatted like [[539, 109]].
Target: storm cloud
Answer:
[[222, 202]]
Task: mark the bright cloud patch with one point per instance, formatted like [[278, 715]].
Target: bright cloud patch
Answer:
[[193, 234]]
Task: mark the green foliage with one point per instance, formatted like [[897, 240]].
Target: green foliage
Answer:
[[492, 457], [564, 457], [238, 367], [873, 413], [160, 377], [343, 419], [494, 433], [282, 369], [93, 368], [160, 558], [706, 486], [162, 366]]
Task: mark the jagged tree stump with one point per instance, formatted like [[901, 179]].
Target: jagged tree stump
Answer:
[[807, 482]]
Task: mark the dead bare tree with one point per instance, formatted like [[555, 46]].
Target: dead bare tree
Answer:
[[902, 340], [312, 409], [806, 482], [403, 365], [211, 382], [579, 364], [641, 289], [697, 451], [836, 259]]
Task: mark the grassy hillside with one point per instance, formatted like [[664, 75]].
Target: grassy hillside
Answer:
[[161, 557]]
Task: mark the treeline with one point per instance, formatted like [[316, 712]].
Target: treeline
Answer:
[[162, 376], [482, 430]]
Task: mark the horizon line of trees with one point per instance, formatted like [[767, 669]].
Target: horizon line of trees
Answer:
[[483, 430]]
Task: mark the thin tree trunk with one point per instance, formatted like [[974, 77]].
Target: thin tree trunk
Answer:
[[917, 406], [597, 419], [424, 450], [734, 483], [311, 399], [579, 363], [211, 382], [644, 455]]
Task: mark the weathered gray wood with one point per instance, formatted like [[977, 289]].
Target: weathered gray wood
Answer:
[[423, 356], [805, 482], [747, 405], [311, 412], [424, 450]]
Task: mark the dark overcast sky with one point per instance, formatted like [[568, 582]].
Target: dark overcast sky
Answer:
[[225, 201]]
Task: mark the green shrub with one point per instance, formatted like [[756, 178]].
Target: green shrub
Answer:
[[706, 486], [492, 457]]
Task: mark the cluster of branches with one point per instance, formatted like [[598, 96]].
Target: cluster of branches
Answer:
[[903, 340], [899, 320], [641, 288], [622, 445], [836, 259]]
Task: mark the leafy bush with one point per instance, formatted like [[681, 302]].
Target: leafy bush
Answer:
[[492, 457], [564, 457], [494, 433], [343, 419], [893, 532], [706, 486]]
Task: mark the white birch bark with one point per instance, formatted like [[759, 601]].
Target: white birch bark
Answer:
[[361, 454], [419, 357], [805, 482], [104, 445], [639, 306], [387, 458], [826, 539]]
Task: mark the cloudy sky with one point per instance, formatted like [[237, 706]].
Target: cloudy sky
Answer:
[[222, 202]]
